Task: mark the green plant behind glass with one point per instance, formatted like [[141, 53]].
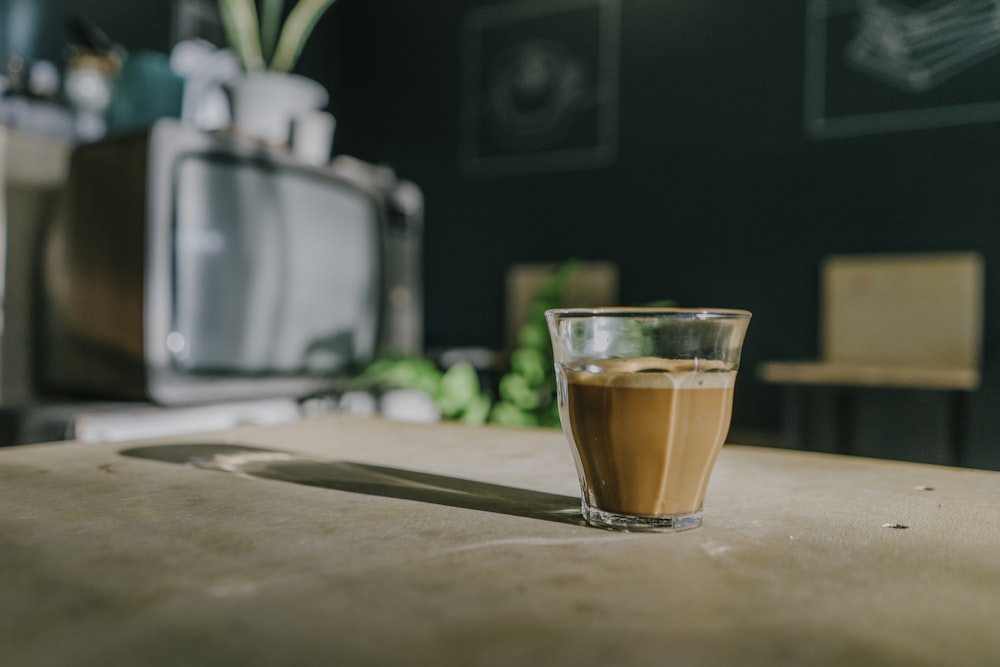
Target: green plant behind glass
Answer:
[[456, 391], [527, 390]]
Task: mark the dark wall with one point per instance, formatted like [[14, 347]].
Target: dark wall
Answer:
[[717, 196]]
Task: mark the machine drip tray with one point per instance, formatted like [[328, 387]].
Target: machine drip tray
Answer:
[[116, 422]]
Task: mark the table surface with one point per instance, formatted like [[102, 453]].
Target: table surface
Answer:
[[364, 542]]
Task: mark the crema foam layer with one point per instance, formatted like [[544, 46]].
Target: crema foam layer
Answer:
[[653, 373]]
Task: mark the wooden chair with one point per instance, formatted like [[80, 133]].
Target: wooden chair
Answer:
[[899, 322]]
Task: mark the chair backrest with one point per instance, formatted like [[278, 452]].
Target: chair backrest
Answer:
[[922, 311]]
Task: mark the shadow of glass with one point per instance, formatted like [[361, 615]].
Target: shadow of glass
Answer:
[[367, 479]]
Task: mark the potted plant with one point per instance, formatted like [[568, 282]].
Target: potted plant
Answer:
[[261, 41], [268, 96]]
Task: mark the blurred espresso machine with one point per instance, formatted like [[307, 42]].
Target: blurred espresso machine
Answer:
[[69, 214]]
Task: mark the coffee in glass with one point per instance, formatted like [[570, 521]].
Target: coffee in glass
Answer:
[[645, 399]]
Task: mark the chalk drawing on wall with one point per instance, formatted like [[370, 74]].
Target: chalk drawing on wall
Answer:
[[540, 86], [892, 65]]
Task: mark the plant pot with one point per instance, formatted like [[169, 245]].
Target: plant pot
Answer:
[[264, 104]]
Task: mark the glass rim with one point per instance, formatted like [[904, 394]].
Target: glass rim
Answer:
[[650, 311]]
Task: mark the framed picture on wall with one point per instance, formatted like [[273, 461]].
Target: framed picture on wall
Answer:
[[539, 86], [877, 66]]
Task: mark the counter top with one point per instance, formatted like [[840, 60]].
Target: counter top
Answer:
[[344, 541]]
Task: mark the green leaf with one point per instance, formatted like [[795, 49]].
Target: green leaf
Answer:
[[533, 334], [555, 287], [505, 414], [477, 412], [514, 389], [270, 22], [239, 20], [299, 25], [459, 389], [530, 363], [405, 373], [550, 418]]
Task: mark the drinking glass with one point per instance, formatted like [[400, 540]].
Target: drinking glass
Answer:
[[645, 398]]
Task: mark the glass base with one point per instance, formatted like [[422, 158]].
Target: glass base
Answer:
[[632, 523]]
